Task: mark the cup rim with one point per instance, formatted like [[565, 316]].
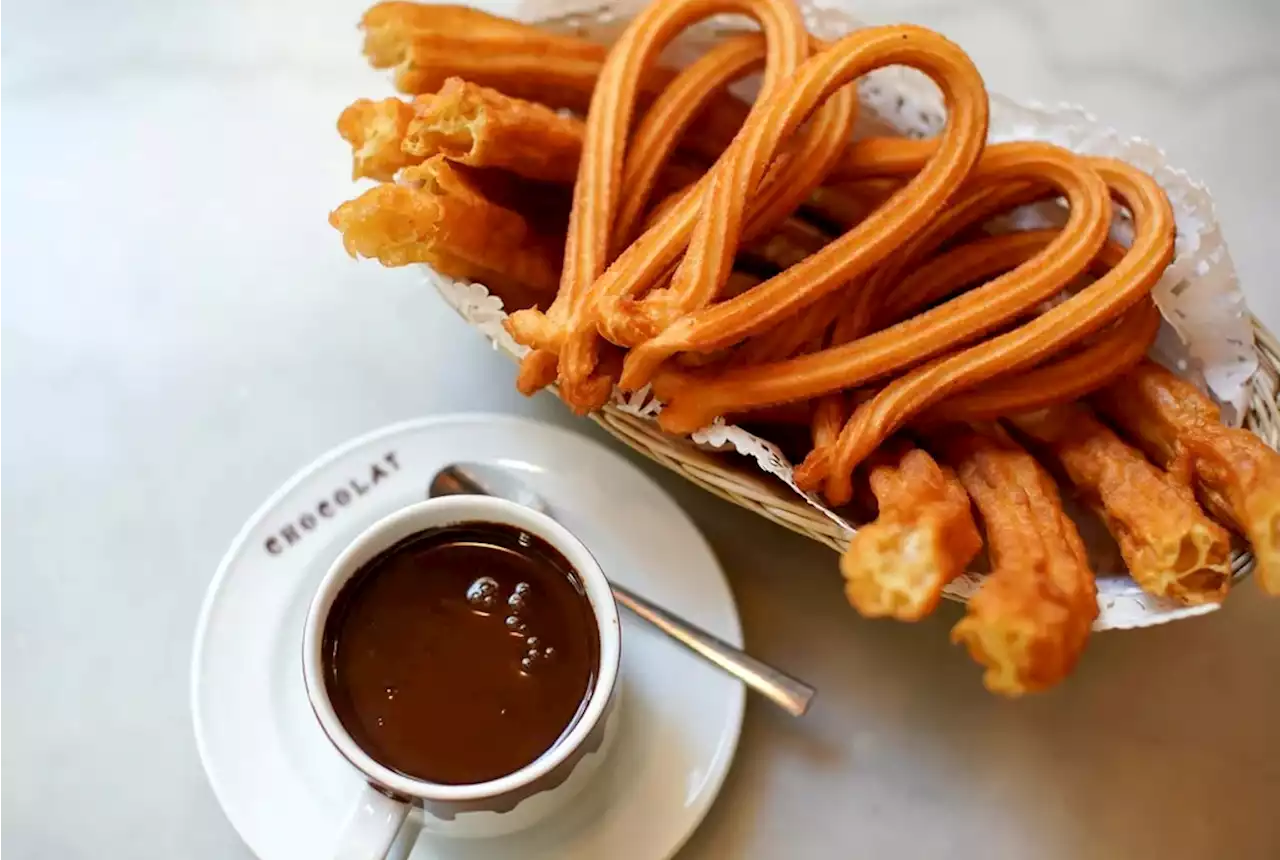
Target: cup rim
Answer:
[[433, 513]]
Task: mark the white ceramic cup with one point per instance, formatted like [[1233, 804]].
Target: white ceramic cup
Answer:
[[502, 805]]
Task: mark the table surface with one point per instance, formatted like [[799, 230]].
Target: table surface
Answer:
[[182, 331]]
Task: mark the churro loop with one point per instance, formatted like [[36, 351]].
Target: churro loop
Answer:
[[976, 203], [652, 256], [701, 274], [692, 401], [906, 213], [1111, 354], [874, 305], [724, 221], [613, 102], [1079, 316], [939, 277], [667, 119]]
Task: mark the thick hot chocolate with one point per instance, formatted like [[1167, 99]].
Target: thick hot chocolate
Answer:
[[461, 654]]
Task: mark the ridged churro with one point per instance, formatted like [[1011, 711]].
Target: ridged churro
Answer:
[[879, 303], [692, 402], [598, 188], [1030, 619], [922, 537], [1061, 379], [428, 44], [712, 242], [1129, 282], [1172, 549], [375, 131], [454, 227], [1233, 472], [480, 127], [670, 116], [906, 213]]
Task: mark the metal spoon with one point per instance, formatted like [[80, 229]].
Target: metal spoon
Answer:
[[788, 693]]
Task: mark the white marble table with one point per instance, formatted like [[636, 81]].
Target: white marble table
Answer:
[[181, 331]]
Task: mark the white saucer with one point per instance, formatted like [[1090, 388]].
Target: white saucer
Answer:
[[287, 791]]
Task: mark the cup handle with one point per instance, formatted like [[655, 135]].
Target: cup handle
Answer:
[[371, 827]]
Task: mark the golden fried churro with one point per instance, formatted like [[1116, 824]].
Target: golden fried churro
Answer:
[[1066, 324], [647, 261], [921, 539], [1172, 549], [875, 304], [451, 225], [692, 402], [976, 203], [480, 127], [1234, 473], [599, 183], [855, 252], [670, 115], [389, 27], [701, 274], [428, 44], [1062, 379], [797, 172], [1030, 619], [375, 131]]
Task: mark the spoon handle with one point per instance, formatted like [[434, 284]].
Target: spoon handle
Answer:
[[788, 693]]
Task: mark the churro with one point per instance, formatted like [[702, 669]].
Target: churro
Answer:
[[922, 538], [450, 224], [480, 127], [906, 213], [375, 131], [1063, 378], [1079, 316], [670, 115], [1172, 549], [599, 183], [1030, 619], [1233, 472], [692, 402], [878, 303], [428, 44], [701, 274]]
